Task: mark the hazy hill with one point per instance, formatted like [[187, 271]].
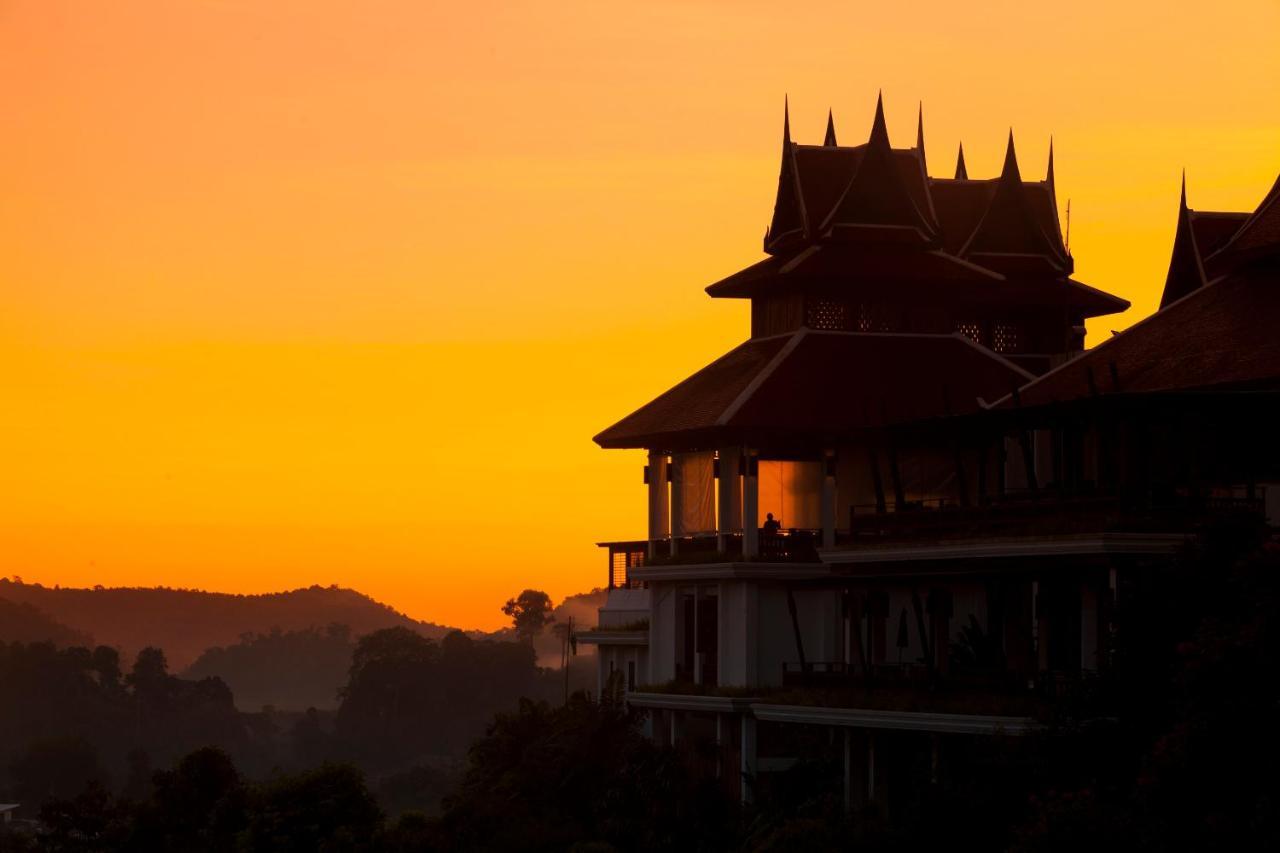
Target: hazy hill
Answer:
[[185, 622], [23, 623]]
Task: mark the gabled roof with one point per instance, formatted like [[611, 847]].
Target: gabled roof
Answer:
[[1219, 337], [789, 222], [1009, 226], [811, 383], [1258, 235], [877, 194], [1186, 268]]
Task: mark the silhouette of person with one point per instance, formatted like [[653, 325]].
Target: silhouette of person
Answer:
[[771, 526]]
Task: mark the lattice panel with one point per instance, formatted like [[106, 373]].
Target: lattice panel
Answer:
[[877, 317], [1006, 337], [972, 331], [828, 314]]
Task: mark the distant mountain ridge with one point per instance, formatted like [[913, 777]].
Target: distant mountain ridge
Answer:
[[22, 623], [184, 623]]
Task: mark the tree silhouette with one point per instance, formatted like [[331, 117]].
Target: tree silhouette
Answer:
[[530, 612]]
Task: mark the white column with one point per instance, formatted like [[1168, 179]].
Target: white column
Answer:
[[659, 510], [829, 500], [729, 497], [748, 766], [677, 502], [751, 508]]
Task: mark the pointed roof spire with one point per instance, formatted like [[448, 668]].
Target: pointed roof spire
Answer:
[[1186, 267], [1010, 170], [920, 137], [1009, 226], [962, 174], [830, 140], [789, 218], [1048, 178], [879, 130], [877, 194]]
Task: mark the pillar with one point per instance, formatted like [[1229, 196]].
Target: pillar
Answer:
[[659, 508], [748, 755], [729, 497], [829, 500], [1042, 626], [676, 477], [751, 507]]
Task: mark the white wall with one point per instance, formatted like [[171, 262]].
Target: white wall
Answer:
[[662, 632]]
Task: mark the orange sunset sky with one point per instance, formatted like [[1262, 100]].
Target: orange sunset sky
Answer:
[[308, 291]]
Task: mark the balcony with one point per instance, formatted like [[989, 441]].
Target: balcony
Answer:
[[1042, 514], [914, 686], [790, 546]]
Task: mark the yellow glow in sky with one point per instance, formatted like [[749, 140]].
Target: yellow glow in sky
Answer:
[[312, 291]]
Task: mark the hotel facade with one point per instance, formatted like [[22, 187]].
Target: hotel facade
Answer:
[[900, 517]]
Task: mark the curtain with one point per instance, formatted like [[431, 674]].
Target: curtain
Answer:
[[792, 491], [697, 484], [658, 511]]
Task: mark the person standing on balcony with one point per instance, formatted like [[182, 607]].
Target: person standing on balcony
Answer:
[[771, 526]]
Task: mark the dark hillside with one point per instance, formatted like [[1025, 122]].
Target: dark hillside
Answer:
[[23, 623], [186, 622]]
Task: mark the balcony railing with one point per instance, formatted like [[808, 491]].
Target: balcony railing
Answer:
[[794, 546], [839, 675], [1046, 512]]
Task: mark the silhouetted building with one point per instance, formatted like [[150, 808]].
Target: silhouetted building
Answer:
[[963, 491]]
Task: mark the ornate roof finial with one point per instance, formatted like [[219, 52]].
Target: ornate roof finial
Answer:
[[1048, 178], [962, 174], [786, 119], [920, 137], [1010, 170], [1186, 267], [830, 140], [879, 131]]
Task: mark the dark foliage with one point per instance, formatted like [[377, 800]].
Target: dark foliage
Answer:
[[409, 697], [547, 778], [70, 717], [1193, 761], [291, 670]]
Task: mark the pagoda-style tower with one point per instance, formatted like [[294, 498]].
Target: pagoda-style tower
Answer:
[[863, 239]]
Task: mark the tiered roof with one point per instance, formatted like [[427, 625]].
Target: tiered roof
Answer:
[[815, 383], [1215, 330], [1211, 244], [877, 196]]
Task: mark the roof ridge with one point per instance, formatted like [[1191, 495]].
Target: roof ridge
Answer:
[[759, 379], [1089, 352], [1264, 206]]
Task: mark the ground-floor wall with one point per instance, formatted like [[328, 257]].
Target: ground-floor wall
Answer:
[[751, 633]]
